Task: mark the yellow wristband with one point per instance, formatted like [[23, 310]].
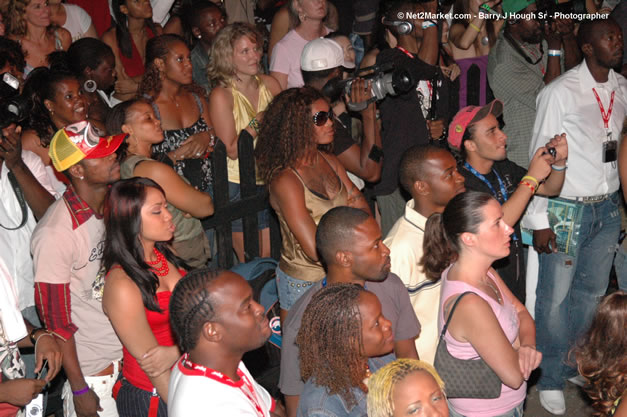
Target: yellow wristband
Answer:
[[532, 179], [475, 27]]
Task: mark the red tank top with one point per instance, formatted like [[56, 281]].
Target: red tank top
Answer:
[[134, 66], [160, 325]]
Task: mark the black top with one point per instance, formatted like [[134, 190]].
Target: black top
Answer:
[[512, 269], [402, 122], [343, 139]]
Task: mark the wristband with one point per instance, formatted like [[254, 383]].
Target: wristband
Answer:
[[254, 124], [81, 391], [532, 179], [531, 187], [559, 167], [427, 24], [375, 154], [555, 52], [31, 335], [475, 27]]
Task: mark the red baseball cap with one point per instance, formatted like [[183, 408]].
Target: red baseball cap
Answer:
[[469, 115]]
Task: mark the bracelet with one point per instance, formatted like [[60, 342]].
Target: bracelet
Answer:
[[427, 24], [475, 27], [559, 167], [531, 187], [31, 335], [45, 333], [554, 52], [81, 391], [532, 179], [254, 124]]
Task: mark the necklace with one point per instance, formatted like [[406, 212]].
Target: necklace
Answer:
[[163, 269], [496, 292]]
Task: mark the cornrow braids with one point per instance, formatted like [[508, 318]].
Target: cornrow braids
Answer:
[[330, 341], [381, 385], [191, 306]]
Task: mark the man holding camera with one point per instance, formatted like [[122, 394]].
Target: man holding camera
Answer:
[[589, 104], [402, 120], [521, 54], [322, 61]]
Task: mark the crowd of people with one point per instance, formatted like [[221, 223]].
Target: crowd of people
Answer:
[[422, 158]]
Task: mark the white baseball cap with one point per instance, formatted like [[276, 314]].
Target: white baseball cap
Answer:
[[323, 54]]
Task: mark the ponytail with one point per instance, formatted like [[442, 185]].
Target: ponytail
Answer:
[[437, 253]]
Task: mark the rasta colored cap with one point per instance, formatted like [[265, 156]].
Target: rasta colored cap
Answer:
[[79, 141]]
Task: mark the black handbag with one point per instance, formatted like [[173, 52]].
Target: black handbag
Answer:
[[465, 378]]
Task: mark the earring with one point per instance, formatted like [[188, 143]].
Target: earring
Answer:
[[302, 17], [81, 178], [90, 86], [199, 36]]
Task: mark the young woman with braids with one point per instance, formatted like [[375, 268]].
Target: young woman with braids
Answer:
[[237, 101], [407, 387], [141, 274], [28, 22], [460, 246], [344, 337], [601, 357], [127, 37], [187, 205], [56, 100], [181, 107], [216, 321], [305, 181]]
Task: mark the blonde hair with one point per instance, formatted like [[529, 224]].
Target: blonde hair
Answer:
[[16, 22], [381, 385], [221, 70]]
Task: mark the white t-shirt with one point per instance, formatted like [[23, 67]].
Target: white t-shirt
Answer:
[[77, 21], [209, 393]]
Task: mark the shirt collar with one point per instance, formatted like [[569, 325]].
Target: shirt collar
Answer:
[[413, 217], [79, 210], [587, 81]]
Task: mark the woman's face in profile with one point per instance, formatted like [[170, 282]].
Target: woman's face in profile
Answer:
[[419, 395], [324, 133]]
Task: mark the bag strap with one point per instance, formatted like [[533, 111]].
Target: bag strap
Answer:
[[452, 311], [20, 199]]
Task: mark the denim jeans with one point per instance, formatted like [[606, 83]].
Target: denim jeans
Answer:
[[570, 287], [620, 265], [514, 412]]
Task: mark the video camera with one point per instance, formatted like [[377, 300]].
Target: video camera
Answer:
[[13, 107], [385, 79]]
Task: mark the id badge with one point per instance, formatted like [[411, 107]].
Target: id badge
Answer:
[[610, 151]]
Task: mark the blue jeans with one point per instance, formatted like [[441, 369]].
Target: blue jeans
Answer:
[[514, 412], [290, 289], [620, 265], [570, 287]]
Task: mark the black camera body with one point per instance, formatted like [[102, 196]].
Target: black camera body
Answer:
[[548, 10], [13, 106], [384, 80]]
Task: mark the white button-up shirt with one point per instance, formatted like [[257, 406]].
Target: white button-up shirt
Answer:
[[15, 244], [568, 105]]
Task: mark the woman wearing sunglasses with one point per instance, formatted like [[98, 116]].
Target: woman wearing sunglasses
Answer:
[[305, 181]]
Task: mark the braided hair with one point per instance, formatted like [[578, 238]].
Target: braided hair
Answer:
[[330, 341], [192, 305]]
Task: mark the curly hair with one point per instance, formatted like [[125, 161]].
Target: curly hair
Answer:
[[330, 341], [382, 383], [159, 47], [41, 85], [287, 131], [221, 70], [600, 354], [192, 305]]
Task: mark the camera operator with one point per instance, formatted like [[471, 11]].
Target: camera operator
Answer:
[[322, 63], [532, 54], [402, 121], [25, 190]]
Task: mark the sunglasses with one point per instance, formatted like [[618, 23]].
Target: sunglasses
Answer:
[[321, 118]]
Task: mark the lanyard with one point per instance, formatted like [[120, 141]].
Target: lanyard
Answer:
[[217, 376], [605, 115], [485, 180]]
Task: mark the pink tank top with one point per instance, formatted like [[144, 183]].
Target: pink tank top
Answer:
[[508, 319]]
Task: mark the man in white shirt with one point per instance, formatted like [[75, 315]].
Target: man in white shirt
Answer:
[[216, 320], [589, 104], [429, 174]]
